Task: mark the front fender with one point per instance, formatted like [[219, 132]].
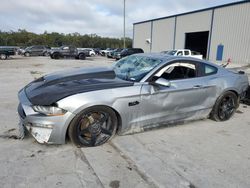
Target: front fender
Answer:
[[118, 99]]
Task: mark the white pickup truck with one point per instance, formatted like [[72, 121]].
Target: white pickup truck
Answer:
[[184, 52]]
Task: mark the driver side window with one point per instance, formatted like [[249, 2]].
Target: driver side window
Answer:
[[177, 71]]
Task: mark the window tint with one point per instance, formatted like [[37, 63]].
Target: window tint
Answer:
[[210, 70], [179, 53], [186, 52], [178, 71]]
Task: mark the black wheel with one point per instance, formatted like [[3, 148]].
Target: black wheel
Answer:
[[3, 56], [225, 106], [55, 56], [27, 54], [93, 126], [82, 56]]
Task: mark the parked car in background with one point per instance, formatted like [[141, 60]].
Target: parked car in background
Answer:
[[137, 93], [112, 53], [184, 52], [105, 52], [20, 50], [126, 52], [38, 50], [6, 51], [165, 52], [69, 52], [97, 51], [89, 51]]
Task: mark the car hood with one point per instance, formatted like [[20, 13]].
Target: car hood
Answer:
[[53, 87]]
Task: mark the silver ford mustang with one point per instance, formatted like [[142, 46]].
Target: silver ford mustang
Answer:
[[137, 93]]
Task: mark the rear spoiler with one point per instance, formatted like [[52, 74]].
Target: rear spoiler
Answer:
[[225, 65], [241, 72]]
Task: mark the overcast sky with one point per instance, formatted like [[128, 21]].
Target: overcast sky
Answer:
[[102, 17]]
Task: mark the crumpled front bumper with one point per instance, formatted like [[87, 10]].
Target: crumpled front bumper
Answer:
[[45, 129]]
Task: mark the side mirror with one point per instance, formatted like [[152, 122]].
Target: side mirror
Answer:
[[162, 82]]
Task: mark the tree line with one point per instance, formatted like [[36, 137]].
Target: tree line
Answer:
[[54, 39]]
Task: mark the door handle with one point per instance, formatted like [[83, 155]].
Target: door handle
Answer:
[[197, 86]]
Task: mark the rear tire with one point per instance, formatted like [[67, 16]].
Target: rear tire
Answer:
[[82, 56], [93, 126], [225, 106]]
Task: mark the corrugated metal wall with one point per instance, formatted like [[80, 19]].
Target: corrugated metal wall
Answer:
[[191, 23], [163, 35], [231, 28], [141, 33]]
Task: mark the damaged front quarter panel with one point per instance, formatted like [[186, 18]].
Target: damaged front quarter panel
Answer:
[[41, 134]]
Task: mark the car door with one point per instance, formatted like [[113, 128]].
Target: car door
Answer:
[[35, 50], [32, 50], [183, 98], [72, 51], [40, 50], [65, 51]]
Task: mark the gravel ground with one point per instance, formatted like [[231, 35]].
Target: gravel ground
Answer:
[[202, 153]]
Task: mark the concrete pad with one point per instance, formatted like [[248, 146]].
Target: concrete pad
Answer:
[[202, 153], [29, 164], [112, 169]]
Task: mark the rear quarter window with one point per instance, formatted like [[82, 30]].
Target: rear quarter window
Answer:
[[209, 70]]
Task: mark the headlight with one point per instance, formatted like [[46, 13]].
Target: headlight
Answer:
[[49, 110]]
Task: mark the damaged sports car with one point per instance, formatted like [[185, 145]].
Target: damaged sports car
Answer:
[[137, 93]]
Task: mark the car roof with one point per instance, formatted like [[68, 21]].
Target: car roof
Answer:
[[165, 58]]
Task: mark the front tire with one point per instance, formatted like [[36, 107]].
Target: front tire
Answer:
[[3, 56], [225, 106], [93, 127], [55, 56]]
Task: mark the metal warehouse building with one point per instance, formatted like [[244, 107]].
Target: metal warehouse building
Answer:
[[219, 33]]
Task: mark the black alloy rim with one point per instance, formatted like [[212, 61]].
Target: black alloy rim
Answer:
[[94, 128], [226, 108]]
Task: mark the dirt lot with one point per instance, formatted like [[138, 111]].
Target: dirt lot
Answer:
[[199, 154]]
